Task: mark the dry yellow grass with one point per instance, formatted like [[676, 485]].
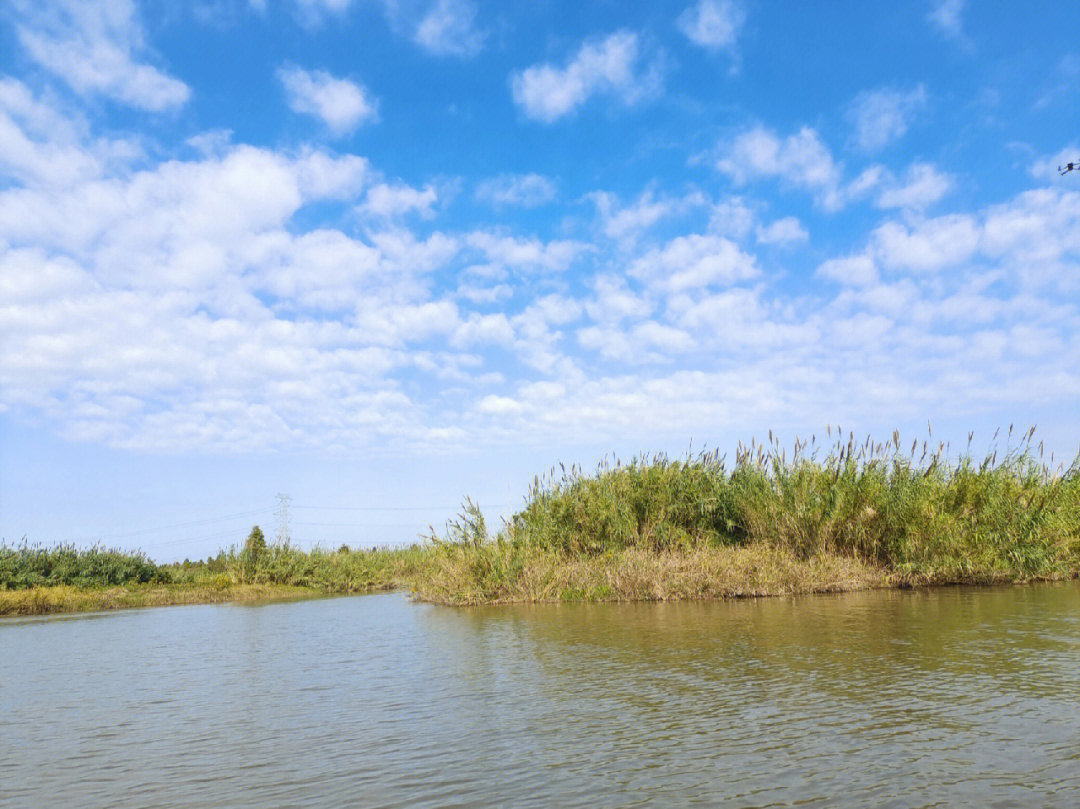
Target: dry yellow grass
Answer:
[[637, 574], [63, 598]]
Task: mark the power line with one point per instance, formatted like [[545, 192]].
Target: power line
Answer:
[[358, 524], [190, 524], [400, 508]]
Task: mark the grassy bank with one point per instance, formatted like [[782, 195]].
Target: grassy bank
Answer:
[[854, 516], [65, 598], [64, 579]]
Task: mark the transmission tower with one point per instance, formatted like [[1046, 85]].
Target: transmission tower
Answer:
[[283, 537]]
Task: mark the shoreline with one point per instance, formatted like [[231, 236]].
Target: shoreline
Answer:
[[699, 574], [705, 574], [65, 599]]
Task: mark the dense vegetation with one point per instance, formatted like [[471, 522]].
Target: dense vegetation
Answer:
[[864, 515], [30, 566], [330, 571], [869, 513], [39, 580]]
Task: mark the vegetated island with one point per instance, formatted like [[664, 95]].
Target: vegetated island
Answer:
[[866, 515]]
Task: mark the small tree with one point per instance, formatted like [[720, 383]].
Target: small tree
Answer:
[[254, 549]]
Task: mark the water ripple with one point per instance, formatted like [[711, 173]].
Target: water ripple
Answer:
[[926, 698]]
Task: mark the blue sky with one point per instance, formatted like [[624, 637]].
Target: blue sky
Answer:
[[381, 254]]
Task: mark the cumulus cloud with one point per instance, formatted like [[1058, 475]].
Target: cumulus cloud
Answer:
[[626, 222], [547, 92], [713, 23], [857, 270], [526, 190], [801, 160], [881, 116], [449, 28], [189, 303], [97, 48], [525, 253], [341, 104], [43, 147], [922, 186], [782, 231], [694, 261], [928, 246], [388, 201]]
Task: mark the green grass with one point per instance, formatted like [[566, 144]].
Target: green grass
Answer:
[[851, 516], [330, 571], [37, 580], [903, 518], [29, 566]]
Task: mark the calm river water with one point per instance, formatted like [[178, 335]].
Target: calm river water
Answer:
[[945, 697]]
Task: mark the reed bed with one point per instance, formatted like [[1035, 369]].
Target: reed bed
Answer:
[[853, 515], [26, 566]]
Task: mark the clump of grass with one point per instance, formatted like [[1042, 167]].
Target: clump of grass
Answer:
[[27, 566], [901, 516]]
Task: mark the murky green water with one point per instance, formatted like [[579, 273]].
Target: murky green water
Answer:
[[938, 698]]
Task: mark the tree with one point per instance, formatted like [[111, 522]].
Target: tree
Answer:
[[254, 548]]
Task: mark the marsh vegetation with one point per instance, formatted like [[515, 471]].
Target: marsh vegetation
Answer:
[[849, 516], [852, 515]]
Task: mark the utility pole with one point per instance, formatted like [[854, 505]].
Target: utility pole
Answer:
[[283, 537]]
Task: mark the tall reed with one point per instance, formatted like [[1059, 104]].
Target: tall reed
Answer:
[[921, 514]]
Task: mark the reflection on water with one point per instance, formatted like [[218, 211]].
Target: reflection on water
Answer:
[[926, 698]]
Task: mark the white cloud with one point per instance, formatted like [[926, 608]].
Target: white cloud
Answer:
[[945, 16], [313, 10], [449, 28], [694, 261], [626, 222], [499, 406], [41, 146], [189, 304], [801, 160], [94, 47], [929, 246], [923, 186], [884, 115], [324, 176], [713, 23], [341, 104], [731, 217], [547, 93], [526, 190], [853, 270], [783, 231], [613, 301], [511, 251], [388, 201], [646, 342]]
